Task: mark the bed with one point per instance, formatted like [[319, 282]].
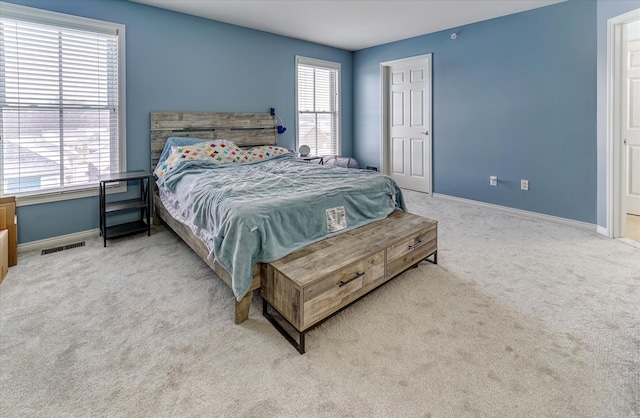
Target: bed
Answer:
[[242, 240]]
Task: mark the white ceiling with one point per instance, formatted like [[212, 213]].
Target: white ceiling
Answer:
[[350, 24]]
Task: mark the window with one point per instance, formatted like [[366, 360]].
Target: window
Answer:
[[61, 103], [318, 105]]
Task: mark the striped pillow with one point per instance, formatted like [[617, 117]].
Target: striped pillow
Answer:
[[262, 153]]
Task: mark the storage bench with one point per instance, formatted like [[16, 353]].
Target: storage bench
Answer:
[[316, 281]]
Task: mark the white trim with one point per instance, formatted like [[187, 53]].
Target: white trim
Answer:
[[122, 99], [57, 241], [47, 17], [317, 62], [602, 231], [60, 240], [609, 135], [89, 191], [629, 242], [519, 212], [325, 64], [384, 116], [616, 222]]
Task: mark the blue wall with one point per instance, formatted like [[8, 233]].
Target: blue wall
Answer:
[[178, 62], [513, 97], [606, 10]]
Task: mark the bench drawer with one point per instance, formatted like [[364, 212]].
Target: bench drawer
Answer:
[[342, 287], [411, 250]]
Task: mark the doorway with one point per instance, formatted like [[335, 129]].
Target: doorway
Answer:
[[406, 140], [624, 126]]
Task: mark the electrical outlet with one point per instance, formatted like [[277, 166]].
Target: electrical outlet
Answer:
[[493, 181], [524, 184]]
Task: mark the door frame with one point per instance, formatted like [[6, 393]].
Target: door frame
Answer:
[[616, 214], [386, 105]]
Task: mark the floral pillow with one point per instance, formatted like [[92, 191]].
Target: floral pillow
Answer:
[[262, 153], [217, 151], [175, 141]]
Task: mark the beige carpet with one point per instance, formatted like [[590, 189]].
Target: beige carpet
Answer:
[[521, 318]]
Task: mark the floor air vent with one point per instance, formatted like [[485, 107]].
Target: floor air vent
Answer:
[[62, 247]]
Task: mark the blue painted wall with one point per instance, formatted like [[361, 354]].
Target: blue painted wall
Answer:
[[513, 97], [606, 10], [178, 62]]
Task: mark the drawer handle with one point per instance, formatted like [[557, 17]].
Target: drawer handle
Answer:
[[416, 245], [342, 282]]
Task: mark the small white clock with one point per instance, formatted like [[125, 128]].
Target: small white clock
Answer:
[[304, 150]]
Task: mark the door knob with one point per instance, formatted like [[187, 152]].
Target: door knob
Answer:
[[425, 132]]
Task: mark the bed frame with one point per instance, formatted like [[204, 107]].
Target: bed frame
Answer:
[[303, 298], [246, 130]]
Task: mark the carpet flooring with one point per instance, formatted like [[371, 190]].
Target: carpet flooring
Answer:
[[521, 317]]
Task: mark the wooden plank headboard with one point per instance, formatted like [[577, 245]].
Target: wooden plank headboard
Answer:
[[245, 129]]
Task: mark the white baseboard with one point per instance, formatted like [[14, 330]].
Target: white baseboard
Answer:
[[58, 241], [630, 242], [603, 231], [519, 212]]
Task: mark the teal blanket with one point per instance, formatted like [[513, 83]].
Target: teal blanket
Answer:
[[260, 212]]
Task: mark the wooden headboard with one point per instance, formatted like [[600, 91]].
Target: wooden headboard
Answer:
[[245, 129]]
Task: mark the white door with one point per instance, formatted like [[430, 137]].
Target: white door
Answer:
[[631, 122], [409, 123]]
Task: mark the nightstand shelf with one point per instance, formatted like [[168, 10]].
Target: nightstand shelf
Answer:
[[125, 204], [142, 203], [129, 228]]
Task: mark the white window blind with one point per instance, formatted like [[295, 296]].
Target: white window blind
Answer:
[[59, 102], [318, 98]]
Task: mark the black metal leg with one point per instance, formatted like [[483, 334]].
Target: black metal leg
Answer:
[[147, 197], [299, 345], [100, 206], [103, 215], [435, 258]]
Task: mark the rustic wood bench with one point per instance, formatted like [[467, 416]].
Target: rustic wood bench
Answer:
[[315, 282]]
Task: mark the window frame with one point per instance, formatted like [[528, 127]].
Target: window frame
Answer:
[[301, 60], [33, 15]]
